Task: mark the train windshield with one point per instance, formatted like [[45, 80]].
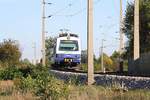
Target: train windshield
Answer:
[[68, 45]]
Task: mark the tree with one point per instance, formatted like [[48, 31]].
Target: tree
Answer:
[[26, 61], [115, 56], [9, 52], [144, 27], [84, 56], [50, 45], [107, 61]]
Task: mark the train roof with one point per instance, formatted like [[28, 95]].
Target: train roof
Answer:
[[68, 34]]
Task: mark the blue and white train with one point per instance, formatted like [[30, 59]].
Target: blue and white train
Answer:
[[67, 51]]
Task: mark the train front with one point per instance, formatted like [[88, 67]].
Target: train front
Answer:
[[68, 50]]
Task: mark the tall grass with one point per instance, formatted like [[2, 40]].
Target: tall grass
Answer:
[[102, 93], [76, 92]]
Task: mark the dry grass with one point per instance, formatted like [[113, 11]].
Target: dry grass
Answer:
[[15, 96], [8, 92], [8, 83], [101, 93]]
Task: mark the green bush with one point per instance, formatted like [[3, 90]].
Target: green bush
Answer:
[[39, 70], [35, 79], [84, 67], [42, 84], [25, 84], [97, 66], [10, 53], [47, 86], [27, 70], [50, 87], [10, 73]]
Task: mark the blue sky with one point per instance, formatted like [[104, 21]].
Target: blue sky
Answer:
[[21, 20]]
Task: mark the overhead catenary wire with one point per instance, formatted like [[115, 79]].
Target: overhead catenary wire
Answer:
[[62, 9], [72, 14], [83, 9]]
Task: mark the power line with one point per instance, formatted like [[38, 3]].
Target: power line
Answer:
[[84, 9], [73, 14], [62, 9]]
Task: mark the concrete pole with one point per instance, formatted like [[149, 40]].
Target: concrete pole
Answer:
[[102, 56], [136, 30], [90, 42], [121, 32], [34, 47], [43, 33]]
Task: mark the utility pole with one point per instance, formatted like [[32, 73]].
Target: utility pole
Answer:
[[90, 42], [102, 60], [121, 32], [121, 47], [43, 33], [34, 47], [136, 30]]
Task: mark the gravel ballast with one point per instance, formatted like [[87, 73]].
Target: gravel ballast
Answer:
[[129, 82]]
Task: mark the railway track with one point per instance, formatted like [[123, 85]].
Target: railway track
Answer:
[[105, 79], [125, 73]]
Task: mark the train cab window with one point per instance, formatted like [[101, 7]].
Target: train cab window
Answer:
[[68, 45]]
